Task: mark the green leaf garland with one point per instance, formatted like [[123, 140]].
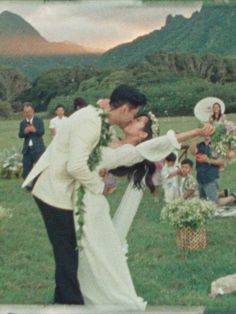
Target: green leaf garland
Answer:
[[93, 160]]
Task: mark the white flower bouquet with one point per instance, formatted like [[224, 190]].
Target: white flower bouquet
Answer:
[[155, 124], [223, 141], [10, 163], [192, 213]]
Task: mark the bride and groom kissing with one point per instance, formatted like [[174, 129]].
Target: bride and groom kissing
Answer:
[[97, 275]]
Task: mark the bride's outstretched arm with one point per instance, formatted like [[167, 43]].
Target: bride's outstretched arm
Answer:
[[208, 129], [128, 155], [153, 150], [158, 148]]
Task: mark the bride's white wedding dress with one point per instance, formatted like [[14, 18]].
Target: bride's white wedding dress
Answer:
[[123, 218], [104, 275]]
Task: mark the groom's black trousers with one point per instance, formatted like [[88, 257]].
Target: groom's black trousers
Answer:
[[61, 232]]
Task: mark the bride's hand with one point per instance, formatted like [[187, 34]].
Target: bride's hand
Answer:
[[207, 130]]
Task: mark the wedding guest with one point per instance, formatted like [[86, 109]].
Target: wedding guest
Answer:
[[208, 169], [170, 179], [57, 121], [31, 130], [217, 115], [188, 184], [79, 103], [157, 179]]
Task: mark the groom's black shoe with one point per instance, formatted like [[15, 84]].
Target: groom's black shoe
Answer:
[[68, 299], [66, 303]]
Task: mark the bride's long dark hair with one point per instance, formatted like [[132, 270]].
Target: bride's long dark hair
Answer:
[[140, 173]]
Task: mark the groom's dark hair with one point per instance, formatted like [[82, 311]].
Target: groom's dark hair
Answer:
[[127, 94]]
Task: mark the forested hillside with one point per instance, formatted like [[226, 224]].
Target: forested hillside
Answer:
[[186, 60], [173, 82], [212, 30]]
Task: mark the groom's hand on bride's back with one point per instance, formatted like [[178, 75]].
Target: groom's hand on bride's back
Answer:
[[109, 181], [108, 189], [110, 184], [103, 172]]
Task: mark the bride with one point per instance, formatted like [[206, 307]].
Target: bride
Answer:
[[104, 275]]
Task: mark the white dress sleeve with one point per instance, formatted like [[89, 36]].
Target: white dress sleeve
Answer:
[[127, 155], [159, 147]]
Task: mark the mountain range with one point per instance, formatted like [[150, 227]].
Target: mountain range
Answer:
[[211, 30], [18, 37]]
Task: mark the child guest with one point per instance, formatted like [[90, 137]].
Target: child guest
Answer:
[[170, 179], [188, 185]]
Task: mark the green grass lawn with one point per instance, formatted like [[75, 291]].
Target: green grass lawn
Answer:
[[162, 273]]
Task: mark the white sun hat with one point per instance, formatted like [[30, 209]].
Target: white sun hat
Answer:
[[203, 109]]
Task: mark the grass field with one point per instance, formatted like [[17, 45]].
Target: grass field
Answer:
[[163, 274]]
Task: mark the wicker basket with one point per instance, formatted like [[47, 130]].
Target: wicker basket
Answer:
[[188, 238]]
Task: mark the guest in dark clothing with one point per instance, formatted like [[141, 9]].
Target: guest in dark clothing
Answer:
[[79, 103], [207, 169], [32, 130]]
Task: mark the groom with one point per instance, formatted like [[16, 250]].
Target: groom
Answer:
[[62, 169]]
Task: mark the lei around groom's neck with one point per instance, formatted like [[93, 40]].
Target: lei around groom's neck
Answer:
[[112, 114]]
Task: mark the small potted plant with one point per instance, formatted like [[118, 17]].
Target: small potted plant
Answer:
[[189, 217]]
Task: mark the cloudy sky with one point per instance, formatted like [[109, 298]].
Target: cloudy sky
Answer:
[[98, 24]]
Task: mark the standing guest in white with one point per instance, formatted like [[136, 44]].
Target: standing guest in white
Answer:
[[62, 170], [57, 122]]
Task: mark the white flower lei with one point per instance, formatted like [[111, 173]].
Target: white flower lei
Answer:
[[155, 124]]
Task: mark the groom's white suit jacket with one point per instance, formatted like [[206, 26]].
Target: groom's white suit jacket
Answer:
[[63, 167]]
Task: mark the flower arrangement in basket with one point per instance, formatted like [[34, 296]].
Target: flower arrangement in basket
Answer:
[[189, 217], [223, 141], [10, 163]]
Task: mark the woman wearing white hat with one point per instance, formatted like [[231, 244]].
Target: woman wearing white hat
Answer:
[[217, 113]]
